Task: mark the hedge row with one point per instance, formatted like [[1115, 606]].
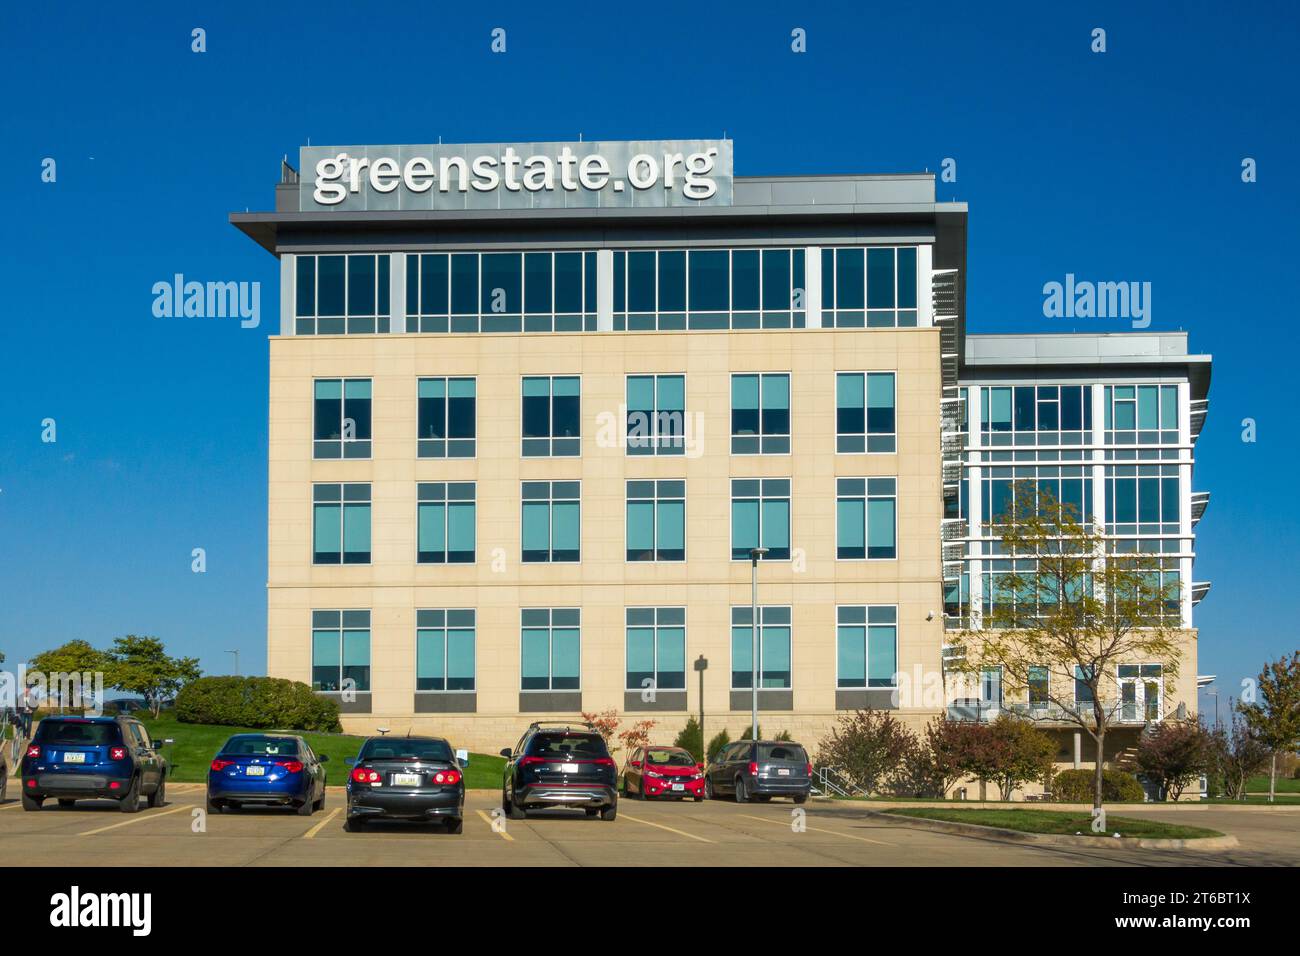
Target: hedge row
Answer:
[[1075, 786], [256, 702]]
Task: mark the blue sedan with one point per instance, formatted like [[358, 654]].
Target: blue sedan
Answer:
[[266, 770]]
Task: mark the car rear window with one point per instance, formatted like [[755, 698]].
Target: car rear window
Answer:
[[71, 733], [589, 746], [404, 748], [782, 752], [261, 747], [669, 758]]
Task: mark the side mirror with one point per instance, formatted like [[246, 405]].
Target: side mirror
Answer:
[[323, 758], [635, 763], [462, 757], [505, 752]]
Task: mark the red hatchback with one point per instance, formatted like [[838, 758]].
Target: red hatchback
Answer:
[[663, 772]]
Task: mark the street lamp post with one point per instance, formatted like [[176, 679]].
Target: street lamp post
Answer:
[[701, 665], [754, 555], [236, 653]]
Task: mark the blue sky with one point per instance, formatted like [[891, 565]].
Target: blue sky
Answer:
[[1123, 166]]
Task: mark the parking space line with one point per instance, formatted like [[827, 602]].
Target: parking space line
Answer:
[[501, 833], [849, 836], [137, 819], [310, 834], [10, 806], [650, 823]]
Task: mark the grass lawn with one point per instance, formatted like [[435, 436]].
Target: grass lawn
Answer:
[[1057, 821], [1284, 785], [1257, 799], [197, 744]]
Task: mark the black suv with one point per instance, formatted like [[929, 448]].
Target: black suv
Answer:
[[84, 758], [559, 765]]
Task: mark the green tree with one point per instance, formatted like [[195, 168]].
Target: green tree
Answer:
[[74, 657], [1022, 753], [1176, 752], [717, 742], [691, 737], [140, 665], [868, 747], [1274, 718], [1071, 610]]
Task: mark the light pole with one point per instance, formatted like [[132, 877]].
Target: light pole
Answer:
[[236, 653], [754, 555], [701, 665]]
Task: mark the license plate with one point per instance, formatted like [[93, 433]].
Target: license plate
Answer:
[[568, 768], [74, 758], [255, 770], [679, 786], [783, 773], [406, 780]]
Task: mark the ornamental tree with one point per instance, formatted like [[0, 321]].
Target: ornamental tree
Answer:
[[1274, 717]]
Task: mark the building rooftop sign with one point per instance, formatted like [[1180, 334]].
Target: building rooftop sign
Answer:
[[643, 173]]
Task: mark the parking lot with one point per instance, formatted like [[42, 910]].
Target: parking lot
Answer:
[[712, 833]]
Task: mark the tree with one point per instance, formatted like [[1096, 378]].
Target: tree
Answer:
[[1176, 752], [1021, 753], [74, 657], [605, 723], [1274, 718], [1068, 612], [1238, 756], [867, 747], [691, 737], [638, 735], [946, 741], [141, 666], [717, 742]]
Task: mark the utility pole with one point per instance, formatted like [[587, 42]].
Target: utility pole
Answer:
[[754, 555]]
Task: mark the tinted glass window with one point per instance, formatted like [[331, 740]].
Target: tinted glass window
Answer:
[[77, 734], [670, 758], [389, 748], [782, 752], [258, 746], [557, 745]]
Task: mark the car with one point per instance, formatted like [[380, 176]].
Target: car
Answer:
[[269, 770], [671, 772], [761, 770], [84, 758], [407, 778], [555, 764]]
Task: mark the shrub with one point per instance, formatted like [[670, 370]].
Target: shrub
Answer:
[[868, 747], [1075, 786], [1175, 753], [718, 741], [270, 702], [691, 737]]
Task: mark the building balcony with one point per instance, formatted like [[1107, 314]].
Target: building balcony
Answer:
[[1119, 712]]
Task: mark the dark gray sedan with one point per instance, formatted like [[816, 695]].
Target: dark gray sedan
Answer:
[[418, 779]]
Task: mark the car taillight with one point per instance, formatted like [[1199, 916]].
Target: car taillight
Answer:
[[529, 761], [34, 751], [753, 769], [808, 769], [290, 766], [362, 775], [116, 753], [447, 776], [604, 761], [220, 765]]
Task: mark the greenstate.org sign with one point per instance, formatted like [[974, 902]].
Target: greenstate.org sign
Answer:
[[517, 175]]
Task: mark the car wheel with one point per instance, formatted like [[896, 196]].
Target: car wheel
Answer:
[[699, 799], [708, 789], [354, 824], [455, 825], [131, 801], [214, 806], [802, 798], [512, 809], [741, 795], [66, 802], [159, 797], [4, 782], [320, 804], [32, 803], [306, 808], [610, 812]]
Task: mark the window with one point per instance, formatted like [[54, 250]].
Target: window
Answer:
[[1069, 484], [550, 649], [337, 295], [1139, 691], [501, 292], [991, 688], [674, 289], [866, 518], [773, 648], [864, 412], [1039, 680], [760, 414], [341, 524], [551, 416], [872, 287], [656, 520], [866, 646], [341, 409], [447, 414], [446, 512], [760, 517], [656, 648], [1042, 414], [1082, 692], [340, 650], [1142, 499], [444, 650], [552, 521], [1141, 414], [656, 414]]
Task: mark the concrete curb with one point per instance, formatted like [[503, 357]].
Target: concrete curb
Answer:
[[1056, 839]]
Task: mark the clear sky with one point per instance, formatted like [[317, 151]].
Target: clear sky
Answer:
[[1124, 165]]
